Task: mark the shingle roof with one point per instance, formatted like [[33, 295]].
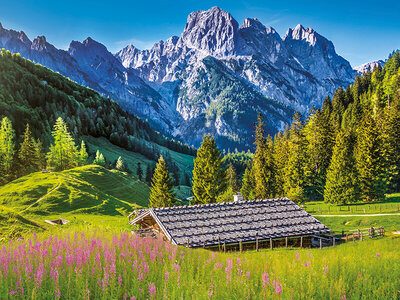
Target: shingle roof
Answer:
[[230, 222]]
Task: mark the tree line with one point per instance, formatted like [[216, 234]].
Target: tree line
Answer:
[[344, 152], [28, 156]]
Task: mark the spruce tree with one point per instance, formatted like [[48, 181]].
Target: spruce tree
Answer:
[[263, 164], [40, 155], [248, 184], [392, 143], [120, 164], [294, 167], [27, 154], [319, 135], [342, 186], [209, 176], [99, 159], [162, 188], [371, 160], [63, 153], [83, 155], [232, 178], [139, 171], [7, 148]]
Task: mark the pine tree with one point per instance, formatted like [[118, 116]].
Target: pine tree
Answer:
[[319, 136], [27, 154], [281, 155], [263, 164], [392, 143], [294, 168], [63, 153], [7, 146], [40, 156], [139, 171], [120, 164], [209, 175], [342, 186], [99, 159], [232, 178], [371, 160], [248, 184], [83, 155], [162, 188], [149, 173]]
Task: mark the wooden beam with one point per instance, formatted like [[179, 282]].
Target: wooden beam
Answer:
[[256, 243], [270, 243], [301, 242], [286, 242], [320, 243]]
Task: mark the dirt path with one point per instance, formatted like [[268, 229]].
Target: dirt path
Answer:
[[41, 198], [365, 215]]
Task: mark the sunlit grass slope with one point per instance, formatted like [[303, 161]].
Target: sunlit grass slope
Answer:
[[89, 189]]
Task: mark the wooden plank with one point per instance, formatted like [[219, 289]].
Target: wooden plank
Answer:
[[270, 243], [301, 242]]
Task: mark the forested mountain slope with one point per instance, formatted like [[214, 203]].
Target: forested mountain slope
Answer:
[[30, 93]]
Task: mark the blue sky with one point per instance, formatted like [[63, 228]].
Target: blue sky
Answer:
[[360, 30]]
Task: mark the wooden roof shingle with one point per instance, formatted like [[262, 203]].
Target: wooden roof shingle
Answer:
[[231, 222]]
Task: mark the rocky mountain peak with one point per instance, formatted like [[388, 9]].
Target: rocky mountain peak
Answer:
[[1, 26], [40, 43], [213, 31]]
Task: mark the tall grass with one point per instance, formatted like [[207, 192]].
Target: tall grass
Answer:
[[102, 265]]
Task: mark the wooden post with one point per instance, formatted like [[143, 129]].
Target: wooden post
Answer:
[[187, 243], [320, 243], [286, 242], [240, 245], [301, 242], [219, 244], [204, 244], [224, 246], [256, 243], [359, 234], [347, 237], [334, 241], [270, 243]]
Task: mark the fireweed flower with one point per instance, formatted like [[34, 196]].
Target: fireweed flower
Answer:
[[265, 279], [152, 289], [166, 276], [278, 287], [326, 270], [378, 255]]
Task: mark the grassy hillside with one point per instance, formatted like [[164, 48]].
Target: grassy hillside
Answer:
[[84, 190], [111, 265]]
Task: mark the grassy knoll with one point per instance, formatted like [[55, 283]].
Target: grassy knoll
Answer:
[[99, 264], [84, 190]]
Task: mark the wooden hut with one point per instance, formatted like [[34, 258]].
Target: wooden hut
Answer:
[[238, 225]]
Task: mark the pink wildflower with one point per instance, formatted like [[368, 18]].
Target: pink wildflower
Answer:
[[211, 291], [326, 270], [248, 274], [297, 256], [343, 297], [152, 289], [166, 276], [378, 255], [277, 287], [265, 279]]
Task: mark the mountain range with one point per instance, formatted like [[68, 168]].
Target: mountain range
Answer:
[[214, 78]]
